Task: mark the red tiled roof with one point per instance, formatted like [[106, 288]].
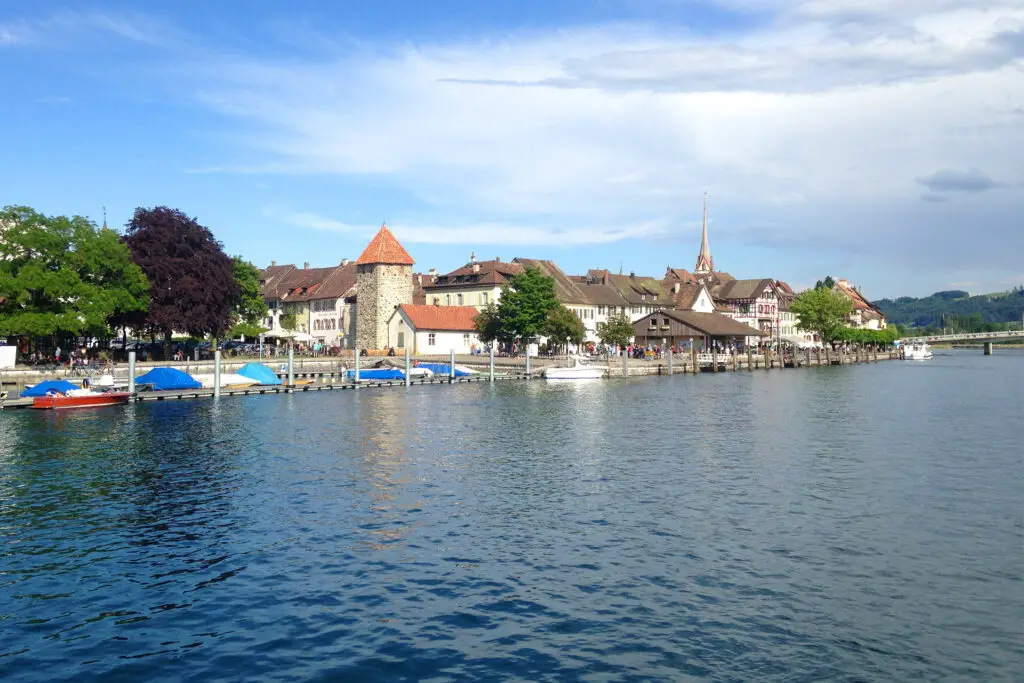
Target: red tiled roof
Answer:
[[449, 318], [384, 248]]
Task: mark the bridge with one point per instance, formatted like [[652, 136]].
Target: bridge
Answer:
[[985, 338]]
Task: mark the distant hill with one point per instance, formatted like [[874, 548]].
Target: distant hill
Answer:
[[929, 311]]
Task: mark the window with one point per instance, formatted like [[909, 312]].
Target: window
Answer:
[[600, 310], [431, 339], [401, 340], [465, 340], [665, 322], [447, 299], [483, 298], [459, 299]]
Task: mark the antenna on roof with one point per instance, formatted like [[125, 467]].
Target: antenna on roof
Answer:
[[620, 267]]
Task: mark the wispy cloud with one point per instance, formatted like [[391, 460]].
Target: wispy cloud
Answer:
[[54, 99], [68, 27], [506, 234]]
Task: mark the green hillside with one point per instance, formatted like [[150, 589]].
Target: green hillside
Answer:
[[957, 310]]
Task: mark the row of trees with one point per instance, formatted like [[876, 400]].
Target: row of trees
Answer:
[[529, 308], [63, 276]]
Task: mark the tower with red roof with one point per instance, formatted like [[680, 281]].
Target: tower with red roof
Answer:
[[383, 283]]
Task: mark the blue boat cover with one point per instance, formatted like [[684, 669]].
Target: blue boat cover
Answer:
[[442, 369], [61, 385], [378, 373], [168, 378], [259, 372]]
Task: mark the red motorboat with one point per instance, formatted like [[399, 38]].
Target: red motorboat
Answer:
[[92, 399]]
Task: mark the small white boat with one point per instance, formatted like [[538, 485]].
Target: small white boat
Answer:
[[917, 351], [578, 368], [227, 379]]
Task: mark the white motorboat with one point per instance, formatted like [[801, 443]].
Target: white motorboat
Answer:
[[917, 351], [577, 368], [227, 379]]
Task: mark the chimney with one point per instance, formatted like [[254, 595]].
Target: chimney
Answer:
[[675, 288], [344, 262], [843, 282], [497, 259], [419, 278], [476, 267], [472, 257], [632, 275], [305, 266], [273, 264], [432, 273]]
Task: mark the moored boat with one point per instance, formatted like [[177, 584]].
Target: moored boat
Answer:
[[80, 398], [578, 368]]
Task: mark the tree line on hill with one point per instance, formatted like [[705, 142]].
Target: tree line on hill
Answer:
[[64, 278], [956, 311]]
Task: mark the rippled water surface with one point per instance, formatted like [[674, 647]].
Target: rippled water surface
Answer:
[[856, 524]]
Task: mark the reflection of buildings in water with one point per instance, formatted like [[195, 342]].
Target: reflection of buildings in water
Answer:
[[384, 419]]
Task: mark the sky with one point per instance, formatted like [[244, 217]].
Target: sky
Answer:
[[874, 140]]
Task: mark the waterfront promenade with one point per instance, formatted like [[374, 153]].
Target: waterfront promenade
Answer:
[[331, 373]]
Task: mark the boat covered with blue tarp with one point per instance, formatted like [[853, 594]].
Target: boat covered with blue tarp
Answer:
[[259, 372], [43, 388], [445, 369], [169, 379]]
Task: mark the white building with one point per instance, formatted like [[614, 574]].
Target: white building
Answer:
[[433, 330]]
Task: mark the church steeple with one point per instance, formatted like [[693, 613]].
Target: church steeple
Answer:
[[705, 264]]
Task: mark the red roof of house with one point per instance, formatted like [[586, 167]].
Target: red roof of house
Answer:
[[384, 248], [448, 318]]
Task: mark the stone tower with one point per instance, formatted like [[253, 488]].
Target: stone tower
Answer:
[[383, 282], [705, 264]]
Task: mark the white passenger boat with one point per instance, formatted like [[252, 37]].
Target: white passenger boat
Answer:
[[917, 351], [227, 379], [578, 368]]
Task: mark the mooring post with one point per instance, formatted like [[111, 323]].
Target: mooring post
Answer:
[[750, 359], [131, 373], [987, 348], [408, 367], [291, 369], [625, 363], [490, 367], [527, 347], [693, 358], [355, 374], [216, 373], [670, 361], [451, 366], [714, 359]]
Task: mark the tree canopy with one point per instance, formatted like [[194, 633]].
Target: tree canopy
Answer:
[[564, 327], [617, 331], [488, 324], [63, 275], [249, 307], [827, 283], [525, 304], [822, 311], [192, 280], [957, 310]]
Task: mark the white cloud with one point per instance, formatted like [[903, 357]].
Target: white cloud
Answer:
[[62, 28]]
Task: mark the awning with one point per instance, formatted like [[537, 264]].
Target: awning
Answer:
[[799, 342]]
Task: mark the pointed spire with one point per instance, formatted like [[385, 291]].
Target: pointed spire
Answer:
[[104, 218], [705, 264], [384, 248]]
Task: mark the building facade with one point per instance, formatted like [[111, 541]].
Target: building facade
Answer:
[[430, 330]]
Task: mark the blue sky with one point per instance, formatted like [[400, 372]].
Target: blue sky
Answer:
[[865, 139]]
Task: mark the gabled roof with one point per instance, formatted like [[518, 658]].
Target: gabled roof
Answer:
[[687, 295], [566, 290], [709, 324], [335, 285], [640, 289], [271, 280], [678, 275], [736, 290], [440, 318], [384, 248], [302, 283], [858, 300], [485, 273]]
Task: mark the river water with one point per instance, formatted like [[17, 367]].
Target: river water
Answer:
[[856, 524]]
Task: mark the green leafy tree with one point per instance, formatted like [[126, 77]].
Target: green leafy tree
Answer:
[[618, 330], [564, 327], [823, 312], [488, 324], [61, 275], [827, 283], [289, 322], [249, 307], [525, 304]]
